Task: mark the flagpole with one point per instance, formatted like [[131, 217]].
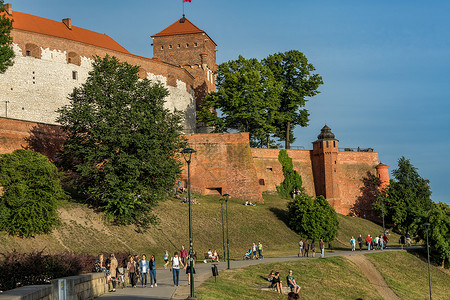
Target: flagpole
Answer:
[[183, 8]]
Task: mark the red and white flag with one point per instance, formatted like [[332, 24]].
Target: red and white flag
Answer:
[[187, 1]]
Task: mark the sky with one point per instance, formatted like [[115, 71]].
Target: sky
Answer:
[[384, 63]]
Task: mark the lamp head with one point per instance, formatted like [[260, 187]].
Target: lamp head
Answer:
[[187, 153]]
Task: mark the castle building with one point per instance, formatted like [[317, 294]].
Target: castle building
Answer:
[[52, 58]]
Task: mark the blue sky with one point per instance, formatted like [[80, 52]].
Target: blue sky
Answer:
[[384, 63]]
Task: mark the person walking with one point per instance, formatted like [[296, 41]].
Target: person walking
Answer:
[[183, 254], [188, 270], [368, 241], [352, 243], [132, 269], [260, 249], [313, 248], [322, 248], [254, 248], [113, 270], [143, 270], [300, 248], [306, 247], [175, 263], [152, 267], [360, 241], [166, 259]]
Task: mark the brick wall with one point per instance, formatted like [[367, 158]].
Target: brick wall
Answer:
[[223, 164]]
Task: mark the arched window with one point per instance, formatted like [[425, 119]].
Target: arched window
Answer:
[[73, 58], [32, 50]]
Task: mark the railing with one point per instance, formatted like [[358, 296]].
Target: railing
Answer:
[[359, 149]]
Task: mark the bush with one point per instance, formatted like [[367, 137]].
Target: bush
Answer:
[[21, 269], [31, 188]]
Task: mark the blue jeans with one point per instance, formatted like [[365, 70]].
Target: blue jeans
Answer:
[[368, 246], [144, 278], [176, 276], [153, 277]]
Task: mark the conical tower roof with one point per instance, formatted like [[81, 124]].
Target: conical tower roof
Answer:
[[180, 27], [326, 134]]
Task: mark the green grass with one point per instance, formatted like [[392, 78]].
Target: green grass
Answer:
[[84, 230], [329, 278], [407, 275]]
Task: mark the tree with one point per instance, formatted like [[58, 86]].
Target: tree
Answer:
[[313, 218], [407, 199], [122, 144], [292, 180], [247, 96], [31, 188], [6, 51], [293, 71], [439, 234]]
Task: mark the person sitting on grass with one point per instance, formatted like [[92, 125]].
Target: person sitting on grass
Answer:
[[292, 284], [276, 283], [270, 277], [215, 256]]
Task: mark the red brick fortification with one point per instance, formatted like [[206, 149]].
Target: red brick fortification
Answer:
[[13, 134], [223, 164], [270, 173]]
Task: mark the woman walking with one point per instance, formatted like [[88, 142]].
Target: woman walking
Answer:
[[166, 259], [132, 269], [188, 269], [153, 271], [143, 269], [175, 263]]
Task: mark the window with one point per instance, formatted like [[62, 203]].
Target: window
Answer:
[[74, 75], [28, 53], [162, 47], [170, 46], [179, 46], [334, 143], [269, 169], [195, 44], [187, 45], [261, 182], [327, 144]]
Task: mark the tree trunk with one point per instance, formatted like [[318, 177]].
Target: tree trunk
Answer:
[[288, 131]]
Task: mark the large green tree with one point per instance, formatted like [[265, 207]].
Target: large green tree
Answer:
[[439, 234], [122, 143], [407, 199], [299, 83], [313, 218], [31, 188], [6, 51], [247, 97]]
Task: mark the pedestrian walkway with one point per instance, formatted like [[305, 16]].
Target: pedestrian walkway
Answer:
[[166, 289]]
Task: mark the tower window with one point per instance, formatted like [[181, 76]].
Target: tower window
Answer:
[[334, 143], [179, 46], [327, 144], [195, 44], [74, 75], [170, 46], [162, 47], [187, 45]]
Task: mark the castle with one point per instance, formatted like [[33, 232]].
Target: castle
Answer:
[[54, 57]]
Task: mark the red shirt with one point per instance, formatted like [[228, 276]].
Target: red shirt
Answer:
[[368, 239], [183, 252]]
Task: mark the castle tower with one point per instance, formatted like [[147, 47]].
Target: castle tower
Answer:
[[383, 176], [325, 167], [184, 44]]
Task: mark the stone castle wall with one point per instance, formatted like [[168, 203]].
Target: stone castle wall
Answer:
[[37, 85]]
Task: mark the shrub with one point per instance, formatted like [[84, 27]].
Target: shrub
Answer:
[[292, 180], [31, 189]]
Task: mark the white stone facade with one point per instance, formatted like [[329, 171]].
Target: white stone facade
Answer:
[[34, 88]]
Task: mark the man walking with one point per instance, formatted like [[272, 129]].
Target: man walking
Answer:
[[300, 248], [368, 241], [360, 241], [306, 247], [260, 249]]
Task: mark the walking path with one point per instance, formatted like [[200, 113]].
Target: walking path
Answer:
[[166, 289]]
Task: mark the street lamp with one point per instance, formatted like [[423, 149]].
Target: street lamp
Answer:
[[187, 153], [226, 196], [428, 252], [223, 230]]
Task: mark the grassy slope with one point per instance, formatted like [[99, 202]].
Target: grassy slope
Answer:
[[83, 230], [329, 278], [332, 278], [407, 275]]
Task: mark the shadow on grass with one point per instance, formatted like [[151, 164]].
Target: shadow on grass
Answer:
[[281, 214]]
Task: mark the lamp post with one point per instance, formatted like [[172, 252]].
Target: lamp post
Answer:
[[223, 230], [187, 153], [427, 225], [228, 241]]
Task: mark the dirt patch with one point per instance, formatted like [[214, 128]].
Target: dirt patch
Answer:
[[373, 275]]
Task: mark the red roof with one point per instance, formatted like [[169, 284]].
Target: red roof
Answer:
[[40, 25], [179, 28]]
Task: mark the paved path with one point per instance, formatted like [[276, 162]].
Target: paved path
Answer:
[[166, 290]]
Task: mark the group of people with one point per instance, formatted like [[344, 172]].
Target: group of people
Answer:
[[379, 242], [213, 256], [304, 247], [277, 284], [139, 267], [108, 266]]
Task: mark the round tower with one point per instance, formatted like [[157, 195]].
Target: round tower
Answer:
[[383, 176]]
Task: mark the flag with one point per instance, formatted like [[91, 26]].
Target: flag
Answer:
[[187, 1]]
